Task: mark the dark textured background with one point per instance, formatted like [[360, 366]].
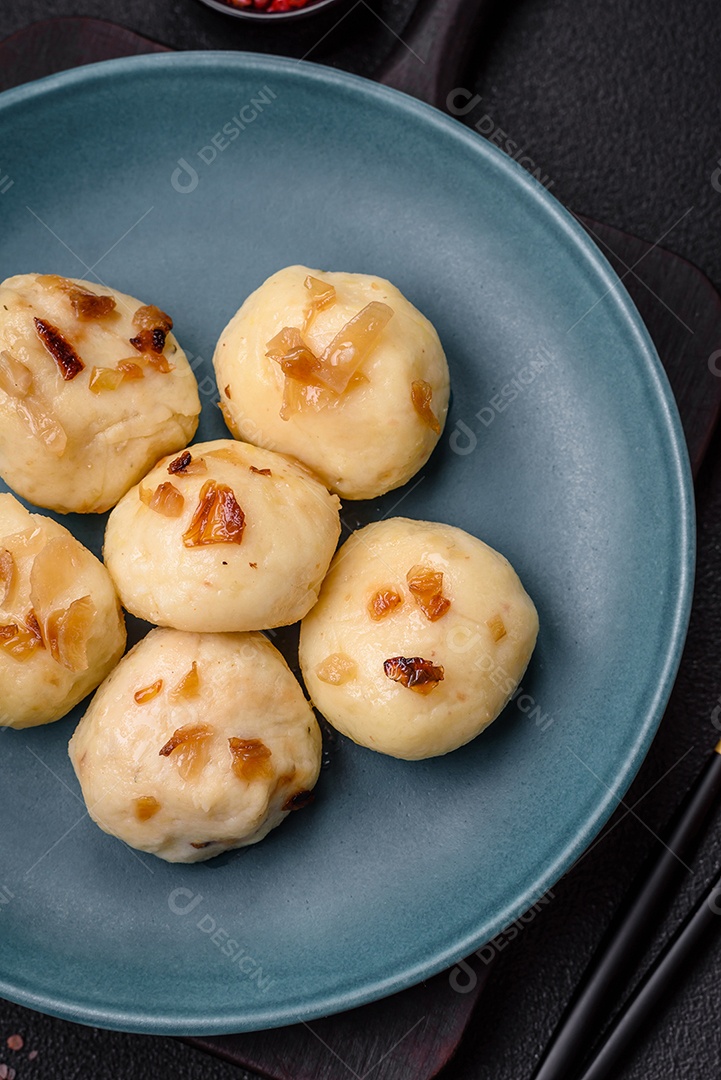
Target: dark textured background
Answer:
[[619, 105]]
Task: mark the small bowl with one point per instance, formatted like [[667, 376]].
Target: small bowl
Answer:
[[271, 16]]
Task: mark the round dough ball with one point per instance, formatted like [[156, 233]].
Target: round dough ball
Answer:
[[224, 537], [76, 438], [371, 437], [196, 744], [419, 638], [61, 627]]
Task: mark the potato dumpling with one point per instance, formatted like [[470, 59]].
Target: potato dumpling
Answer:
[[93, 389], [223, 537], [197, 743], [339, 370], [61, 627], [419, 638]]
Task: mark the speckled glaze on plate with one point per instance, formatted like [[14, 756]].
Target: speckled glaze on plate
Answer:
[[185, 180]]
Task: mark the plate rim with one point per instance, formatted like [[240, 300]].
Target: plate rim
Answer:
[[231, 1019]]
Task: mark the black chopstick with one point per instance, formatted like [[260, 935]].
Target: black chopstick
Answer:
[[655, 986], [630, 932]]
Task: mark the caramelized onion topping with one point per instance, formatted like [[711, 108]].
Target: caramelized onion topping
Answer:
[[159, 362], [146, 806], [20, 640], [421, 396], [497, 627], [251, 759], [180, 464], [352, 345], [318, 381], [110, 378], [189, 685], [62, 352], [153, 326], [426, 585], [298, 396], [187, 465], [218, 519], [56, 569], [85, 303], [413, 672], [299, 800], [147, 693], [90, 305], [165, 500], [102, 379], [130, 370], [322, 295], [66, 625], [383, 603], [149, 341], [260, 472], [336, 669], [8, 576], [15, 378], [150, 317], [68, 631], [295, 358], [189, 745]]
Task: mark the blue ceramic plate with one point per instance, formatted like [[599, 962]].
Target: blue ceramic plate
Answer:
[[186, 180]]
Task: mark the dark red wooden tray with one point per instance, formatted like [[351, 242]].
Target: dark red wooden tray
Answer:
[[415, 1033]]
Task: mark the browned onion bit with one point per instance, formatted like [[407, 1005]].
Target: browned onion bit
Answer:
[[190, 745], [89, 305], [294, 357], [383, 603], [250, 759], [260, 472], [180, 464], [189, 685], [181, 736], [150, 317], [298, 800], [497, 627], [414, 672], [68, 631], [149, 341], [22, 641], [421, 396], [130, 370], [187, 465], [322, 295], [426, 585], [85, 303], [352, 345], [336, 669], [166, 500], [102, 379], [147, 693], [145, 806], [59, 348], [203, 843], [218, 518]]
